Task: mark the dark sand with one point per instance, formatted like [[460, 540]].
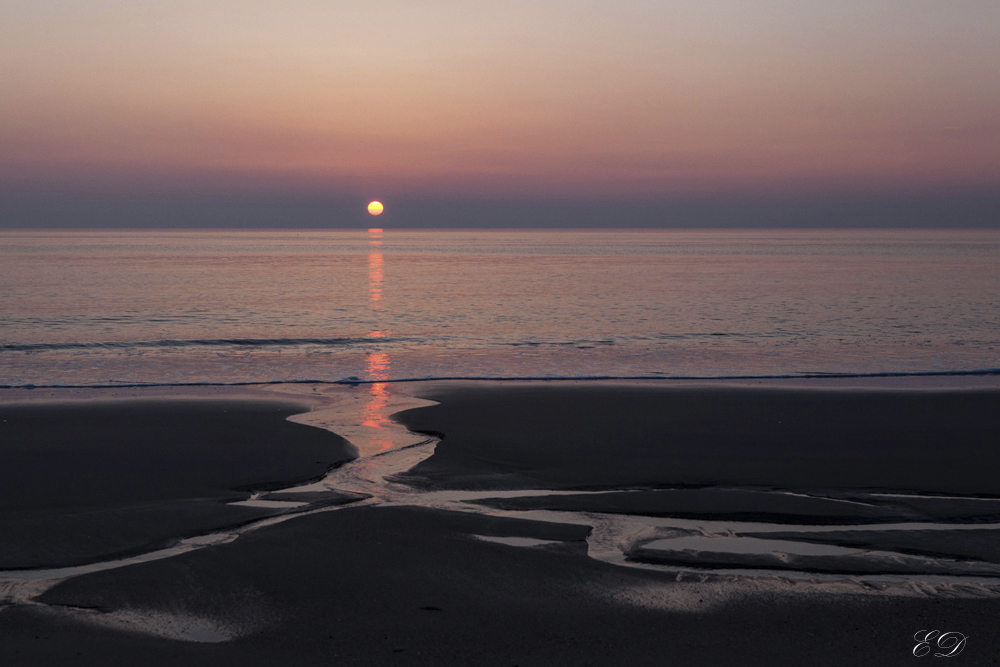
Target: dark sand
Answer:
[[591, 437], [712, 504], [408, 586], [86, 481], [387, 585], [981, 545], [746, 505]]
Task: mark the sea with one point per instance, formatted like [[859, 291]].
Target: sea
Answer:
[[115, 307]]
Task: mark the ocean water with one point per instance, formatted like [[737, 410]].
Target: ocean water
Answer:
[[110, 307]]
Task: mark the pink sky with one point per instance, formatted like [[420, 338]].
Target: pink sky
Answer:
[[623, 99]]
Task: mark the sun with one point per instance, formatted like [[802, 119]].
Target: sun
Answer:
[[375, 208]]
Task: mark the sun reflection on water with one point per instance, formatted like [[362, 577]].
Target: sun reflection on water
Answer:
[[375, 273], [374, 414], [377, 364]]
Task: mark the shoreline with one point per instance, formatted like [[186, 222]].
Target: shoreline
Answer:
[[963, 375]]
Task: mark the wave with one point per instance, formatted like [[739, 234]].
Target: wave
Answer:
[[349, 341], [353, 380], [438, 339], [206, 342]]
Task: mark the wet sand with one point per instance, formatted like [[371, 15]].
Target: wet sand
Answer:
[[84, 481], [561, 436], [408, 586], [445, 583]]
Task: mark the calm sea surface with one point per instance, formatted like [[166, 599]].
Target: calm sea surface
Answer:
[[102, 307]]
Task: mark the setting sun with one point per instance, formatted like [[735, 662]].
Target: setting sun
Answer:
[[375, 208]]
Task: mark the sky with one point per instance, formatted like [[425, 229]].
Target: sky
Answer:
[[541, 113]]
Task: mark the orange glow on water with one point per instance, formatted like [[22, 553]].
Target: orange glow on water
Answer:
[[375, 272], [375, 414], [375, 276], [377, 364]]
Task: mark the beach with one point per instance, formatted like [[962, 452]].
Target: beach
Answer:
[[500, 523], [499, 334]]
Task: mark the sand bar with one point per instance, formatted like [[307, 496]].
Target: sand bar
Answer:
[[88, 480], [583, 436]]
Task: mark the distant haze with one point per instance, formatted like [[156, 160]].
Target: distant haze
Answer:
[[178, 113]]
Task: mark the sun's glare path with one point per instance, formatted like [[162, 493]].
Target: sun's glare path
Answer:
[[375, 414], [377, 364], [375, 274]]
